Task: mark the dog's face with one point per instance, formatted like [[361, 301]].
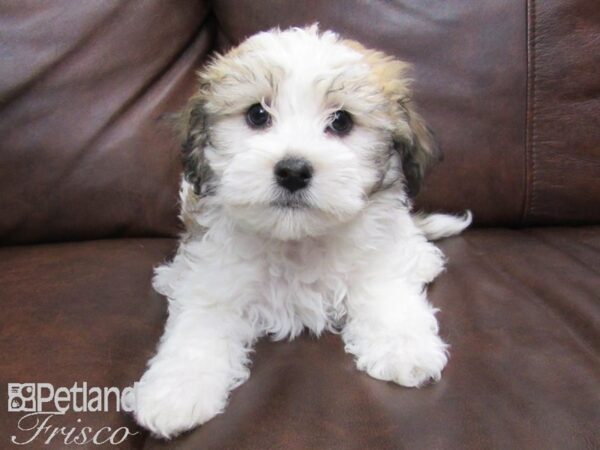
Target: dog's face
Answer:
[[293, 131]]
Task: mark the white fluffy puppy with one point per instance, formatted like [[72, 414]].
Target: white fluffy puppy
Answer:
[[302, 151]]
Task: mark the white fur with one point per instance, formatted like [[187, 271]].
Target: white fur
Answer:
[[438, 226], [352, 261]]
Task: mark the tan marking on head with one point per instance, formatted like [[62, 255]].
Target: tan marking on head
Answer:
[[388, 72], [421, 150]]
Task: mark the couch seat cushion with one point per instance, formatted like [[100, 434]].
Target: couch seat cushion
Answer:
[[520, 308]]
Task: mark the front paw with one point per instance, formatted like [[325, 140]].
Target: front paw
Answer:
[[169, 405], [409, 361]]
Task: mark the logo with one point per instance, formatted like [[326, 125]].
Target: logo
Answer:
[[42, 402], [21, 397]]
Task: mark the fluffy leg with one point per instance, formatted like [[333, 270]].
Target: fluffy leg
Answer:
[[393, 333], [202, 356]]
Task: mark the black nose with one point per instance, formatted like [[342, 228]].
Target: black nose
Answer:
[[293, 173]]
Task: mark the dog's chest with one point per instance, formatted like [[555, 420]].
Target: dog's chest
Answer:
[[302, 287]]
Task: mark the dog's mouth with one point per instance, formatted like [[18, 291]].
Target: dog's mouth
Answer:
[[290, 201]]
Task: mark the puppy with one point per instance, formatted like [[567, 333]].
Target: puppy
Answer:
[[302, 153]]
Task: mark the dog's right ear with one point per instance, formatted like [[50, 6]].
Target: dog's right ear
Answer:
[[193, 129], [419, 154]]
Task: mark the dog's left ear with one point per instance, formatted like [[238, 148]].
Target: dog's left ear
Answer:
[[419, 152], [193, 130]]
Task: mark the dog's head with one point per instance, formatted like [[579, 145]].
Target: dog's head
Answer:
[[293, 131]]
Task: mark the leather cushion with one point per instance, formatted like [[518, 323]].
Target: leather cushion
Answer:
[[85, 151], [469, 84], [519, 308], [563, 136], [78, 312], [510, 90]]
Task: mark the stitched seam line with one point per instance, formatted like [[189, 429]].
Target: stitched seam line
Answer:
[[527, 143], [532, 115], [528, 112]]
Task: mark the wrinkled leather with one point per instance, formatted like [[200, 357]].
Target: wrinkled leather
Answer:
[[84, 152], [511, 90], [75, 312], [469, 80], [520, 310], [563, 139]]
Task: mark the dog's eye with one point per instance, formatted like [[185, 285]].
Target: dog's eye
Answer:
[[257, 116], [341, 122]]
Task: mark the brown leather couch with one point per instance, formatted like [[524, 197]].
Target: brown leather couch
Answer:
[[88, 178]]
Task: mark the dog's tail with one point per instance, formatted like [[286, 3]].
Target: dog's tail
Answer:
[[437, 226]]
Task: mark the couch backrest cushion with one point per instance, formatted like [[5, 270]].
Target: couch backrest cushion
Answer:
[[511, 89], [563, 115], [84, 152]]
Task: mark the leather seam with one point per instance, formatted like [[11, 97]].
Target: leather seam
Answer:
[[531, 128]]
